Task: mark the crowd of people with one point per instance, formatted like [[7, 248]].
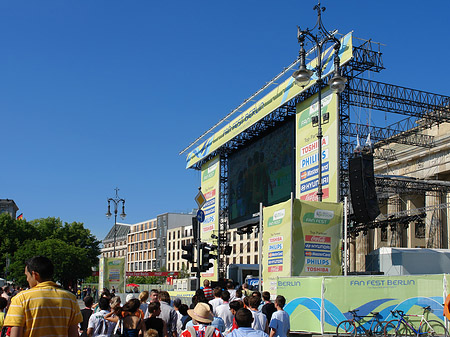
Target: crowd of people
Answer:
[[45, 309]]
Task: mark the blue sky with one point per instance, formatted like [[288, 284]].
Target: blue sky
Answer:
[[96, 94]]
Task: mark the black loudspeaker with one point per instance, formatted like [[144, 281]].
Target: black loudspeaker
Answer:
[[362, 188]]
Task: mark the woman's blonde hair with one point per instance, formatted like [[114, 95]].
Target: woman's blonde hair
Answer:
[[143, 296], [115, 302], [151, 333]]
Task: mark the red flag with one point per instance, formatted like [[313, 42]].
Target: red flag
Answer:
[[20, 216]]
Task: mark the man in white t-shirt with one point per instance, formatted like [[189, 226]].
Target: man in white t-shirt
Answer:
[[217, 292], [223, 311], [98, 325]]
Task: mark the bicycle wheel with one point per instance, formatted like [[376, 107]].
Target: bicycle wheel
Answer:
[[433, 328], [378, 329], [394, 328], [346, 329], [389, 328]]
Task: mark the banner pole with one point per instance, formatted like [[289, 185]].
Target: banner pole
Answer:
[[260, 245], [345, 236]]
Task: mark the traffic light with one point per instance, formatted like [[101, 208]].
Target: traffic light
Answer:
[[206, 250], [189, 255]]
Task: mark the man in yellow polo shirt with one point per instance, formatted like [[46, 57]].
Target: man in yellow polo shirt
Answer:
[[45, 309]]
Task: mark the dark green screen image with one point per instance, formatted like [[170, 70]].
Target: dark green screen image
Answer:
[[261, 172]]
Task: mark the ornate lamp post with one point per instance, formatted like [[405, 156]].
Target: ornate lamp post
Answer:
[[303, 75], [116, 201]]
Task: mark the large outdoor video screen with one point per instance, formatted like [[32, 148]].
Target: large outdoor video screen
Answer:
[[261, 172]]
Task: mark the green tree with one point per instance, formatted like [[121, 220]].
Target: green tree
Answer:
[[71, 263], [18, 238], [13, 233]]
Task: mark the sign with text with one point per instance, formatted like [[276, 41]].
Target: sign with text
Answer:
[[211, 187]]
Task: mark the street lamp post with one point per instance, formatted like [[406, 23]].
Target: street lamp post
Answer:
[[116, 201], [303, 75]]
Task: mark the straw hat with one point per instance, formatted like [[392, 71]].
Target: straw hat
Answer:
[[201, 313]]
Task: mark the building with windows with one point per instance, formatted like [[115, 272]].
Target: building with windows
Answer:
[[155, 244], [121, 233], [414, 199], [8, 206]]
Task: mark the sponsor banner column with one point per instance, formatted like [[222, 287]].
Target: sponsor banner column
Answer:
[[276, 244], [112, 273], [307, 168], [316, 239], [211, 190]]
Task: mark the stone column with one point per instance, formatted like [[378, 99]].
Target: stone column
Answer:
[[361, 251], [413, 202], [446, 232], [352, 249], [433, 222], [395, 230]]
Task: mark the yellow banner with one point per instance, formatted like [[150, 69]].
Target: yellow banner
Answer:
[[306, 178], [274, 99], [211, 190], [276, 244], [316, 238]]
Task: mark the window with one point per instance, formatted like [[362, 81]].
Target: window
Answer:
[[248, 259], [384, 233], [248, 247], [169, 235], [241, 248], [234, 236], [256, 246], [419, 229]]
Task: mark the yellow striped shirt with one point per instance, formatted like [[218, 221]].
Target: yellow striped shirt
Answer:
[[44, 310]]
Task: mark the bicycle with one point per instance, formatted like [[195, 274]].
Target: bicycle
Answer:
[[402, 327], [355, 326]]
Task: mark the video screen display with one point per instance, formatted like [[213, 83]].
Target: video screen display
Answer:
[[261, 172]]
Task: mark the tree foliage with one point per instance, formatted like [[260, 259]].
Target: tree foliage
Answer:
[[71, 247]]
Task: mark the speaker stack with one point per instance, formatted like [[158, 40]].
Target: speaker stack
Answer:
[[362, 188]]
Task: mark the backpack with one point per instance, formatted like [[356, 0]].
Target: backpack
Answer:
[[102, 327], [209, 332]]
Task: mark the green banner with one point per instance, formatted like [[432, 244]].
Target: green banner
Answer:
[[112, 273], [276, 243], [365, 294], [211, 189], [316, 238], [274, 99], [306, 293], [306, 178]]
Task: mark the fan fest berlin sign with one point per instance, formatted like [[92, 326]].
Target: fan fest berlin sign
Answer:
[[151, 273]]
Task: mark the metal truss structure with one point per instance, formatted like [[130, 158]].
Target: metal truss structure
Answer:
[[422, 109]]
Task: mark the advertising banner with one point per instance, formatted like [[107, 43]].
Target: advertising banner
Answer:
[[112, 273], [211, 190], [306, 177], [302, 293], [271, 101], [276, 243], [366, 294], [316, 238]]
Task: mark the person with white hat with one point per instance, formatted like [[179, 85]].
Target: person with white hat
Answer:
[[202, 318]]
